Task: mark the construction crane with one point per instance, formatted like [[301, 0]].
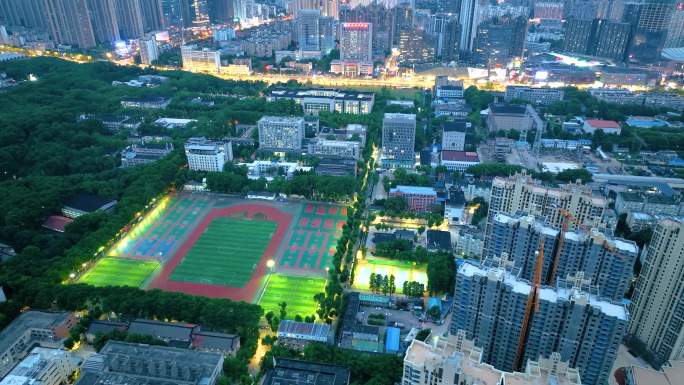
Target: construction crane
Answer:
[[532, 305]]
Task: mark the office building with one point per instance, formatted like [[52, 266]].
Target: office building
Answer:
[[521, 193], [327, 32], [281, 133], [470, 16], [207, 155], [68, 22], [398, 140], [543, 96], [456, 357], [309, 29], [497, 311], [419, 199], [453, 135], [43, 366], [314, 100], [522, 118], [297, 335], [150, 102], [650, 21], [597, 37], [498, 41], [29, 329], [296, 372], [130, 19], [604, 261], [104, 20], [578, 34], [200, 59], [148, 50], [459, 160], [144, 153], [659, 295], [356, 42], [416, 46], [334, 148], [128, 363]]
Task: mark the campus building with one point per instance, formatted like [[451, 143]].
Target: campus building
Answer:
[[148, 50], [453, 134], [398, 140], [297, 335], [419, 199], [335, 148], [517, 117], [144, 153], [459, 160], [208, 155], [128, 363], [150, 102], [82, 204], [440, 359], [536, 95], [658, 299], [491, 306], [297, 372], [321, 99], [522, 193], [201, 60], [281, 133], [604, 261], [32, 328], [43, 366]]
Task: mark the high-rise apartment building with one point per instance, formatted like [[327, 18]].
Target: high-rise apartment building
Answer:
[[473, 12], [26, 13], [650, 20], [398, 140], [499, 40], [208, 155], [68, 22], [602, 260], [222, 11], [356, 42], [578, 34], [443, 359], [148, 50], [281, 133], [104, 21], [197, 59], [521, 193], [130, 19], [152, 15], [675, 33], [597, 37], [416, 46], [496, 309], [658, 302]]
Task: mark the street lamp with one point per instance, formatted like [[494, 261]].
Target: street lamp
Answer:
[[270, 264]]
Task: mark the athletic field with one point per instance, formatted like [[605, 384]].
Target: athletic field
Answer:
[[402, 271], [297, 292], [226, 253], [113, 271]]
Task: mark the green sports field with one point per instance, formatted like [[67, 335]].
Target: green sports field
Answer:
[[115, 271], [298, 292], [226, 253]]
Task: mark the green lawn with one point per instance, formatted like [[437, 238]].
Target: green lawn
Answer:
[[226, 253], [115, 271], [298, 292]]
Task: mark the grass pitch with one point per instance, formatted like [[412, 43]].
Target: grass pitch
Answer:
[[298, 292], [226, 253], [113, 271], [402, 271]]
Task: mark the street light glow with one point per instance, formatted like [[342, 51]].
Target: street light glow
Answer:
[[270, 263]]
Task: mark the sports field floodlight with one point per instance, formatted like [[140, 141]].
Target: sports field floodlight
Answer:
[[270, 263], [72, 275]]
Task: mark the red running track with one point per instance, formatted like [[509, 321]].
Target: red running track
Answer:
[[245, 293]]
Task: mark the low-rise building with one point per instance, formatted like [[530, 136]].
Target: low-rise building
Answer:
[[200, 59], [419, 199], [351, 68], [226, 344], [280, 133], [607, 126], [459, 160], [297, 335], [127, 363], [506, 117], [652, 204], [452, 109], [336, 167], [208, 155], [331, 100], [457, 358], [98, 327], [450, 93], [32, 328], [42, 366], [173, 333], [296, 372], [150, 102], [543, 96], [145, 153], [334, 148], [82, 204], [173, 123], [454, 133]]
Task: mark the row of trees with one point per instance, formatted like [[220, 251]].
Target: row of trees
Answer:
[[379, 283], [413, 289]]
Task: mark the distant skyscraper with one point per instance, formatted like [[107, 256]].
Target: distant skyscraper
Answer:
[[26, 13], [578, 35], [308, 30], [581, 9], [69, 23], [610, 39], [326, 25], [416, 46], [130, 19], [201, 8], [499, 40], [473, 12], [104, 21], [222, 11], [658, 302], [675, 33], [493, 307], [356, 41], [610, 9], [650, 20], [402, 22], [398, 140], [152, 14]]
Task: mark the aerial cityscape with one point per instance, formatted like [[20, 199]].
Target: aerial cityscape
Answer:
[[341, 192]]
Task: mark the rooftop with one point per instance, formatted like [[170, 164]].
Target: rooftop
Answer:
[[414, 190], [668, 376], [322, 92], [459, 156], [32, 319], [164, 330], [437, 239], [503, 108], [215, 341], [87, 202], [306, 329], [57, 223], [598, 123], [294, 372], [460, 125]]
